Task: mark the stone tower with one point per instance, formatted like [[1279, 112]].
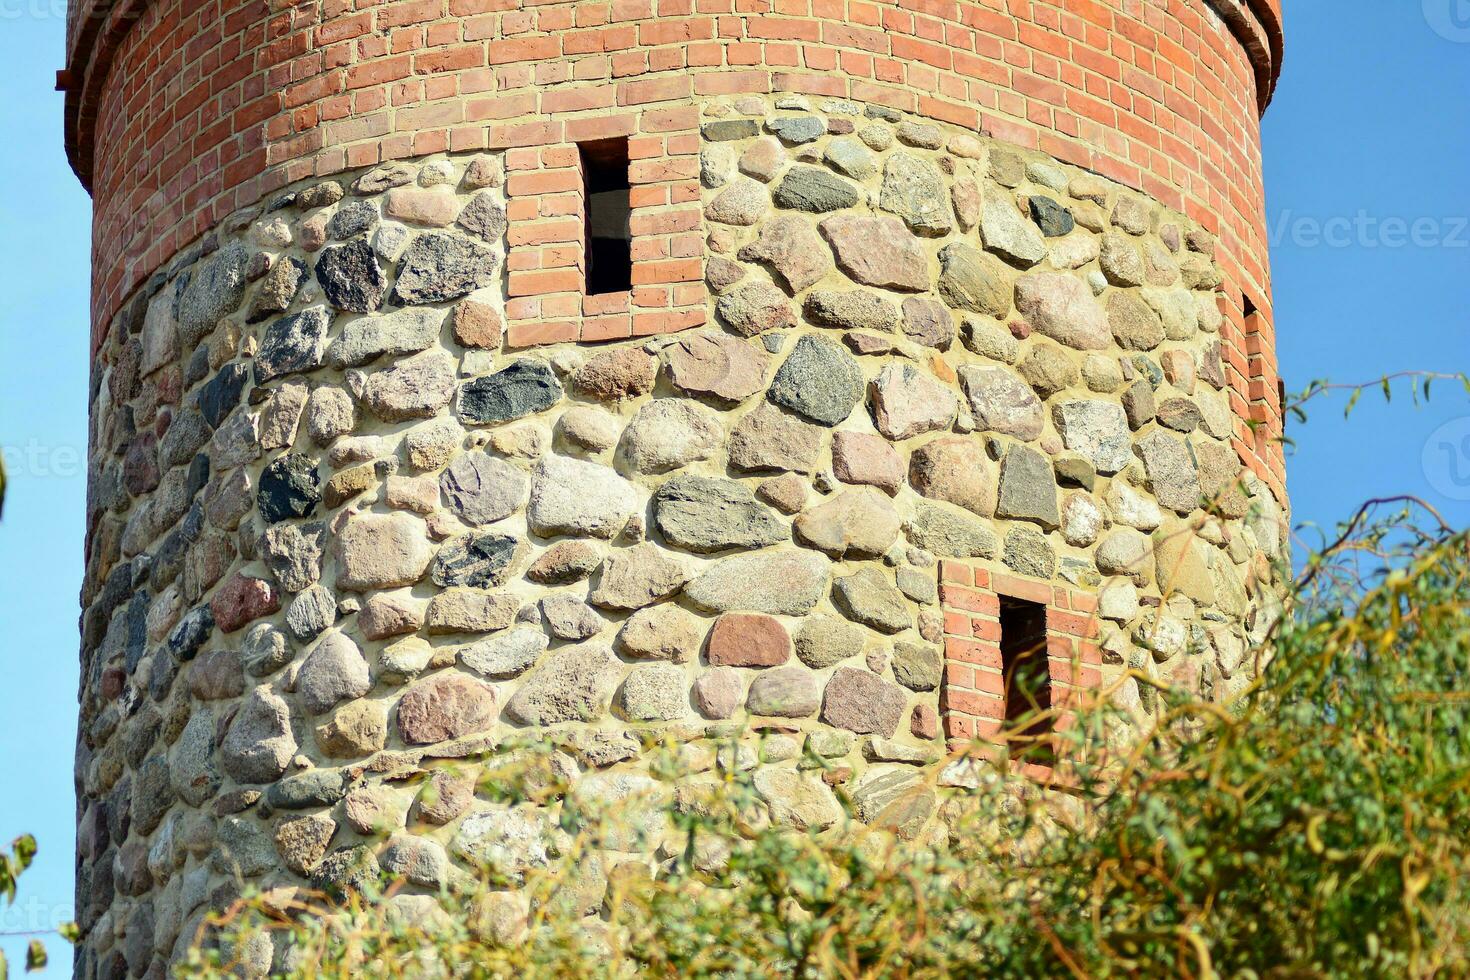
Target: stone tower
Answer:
[[474, 368]]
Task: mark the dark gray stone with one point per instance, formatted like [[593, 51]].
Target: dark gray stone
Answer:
[[293, 345], [814, 190], [189, 634], [353, 218], [797, 129], [216, 286], [724, 130], [478, 560], [1053, 219], [221, 393], [289, 487], [524, 388], [351, 278]]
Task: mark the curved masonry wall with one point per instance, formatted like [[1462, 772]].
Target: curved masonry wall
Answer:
[[354, 513]]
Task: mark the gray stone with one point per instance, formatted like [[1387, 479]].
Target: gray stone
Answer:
[[1028, 488], [706, 514], [398, 333], [1008, 234], [334, 672], [918, 666], [1063, 308], [214, 290], [770, 439], [1096, 429], [508, 655], [414, 388], [778, 583], [277, 290], [353, 218], [1125, 552], [416, 859], [928, 322], [950, 532], [1121, 261], [1179, 414], [311, 612], [1027, 553], [525, 387], [877, 251], [482, 489], [849, 157], [1054, 220], [483, 216], [914, 190], [797, 129], [1172, 473], [655, 692], [242, 847], [351, 278], [292, 345], [823, 641], [798, 800], [856, 523], [572, 684], [819, 381], [639, 576], [669, 433], [868, 597], [862, 702], [440, 266], [579, 498], [894, 798], [853, 309], [192, 771], [756, 307], [1002, 402], [329, 414], [507, 842], [569, 618], [259, 744], [293, 553], [724, 130], [815, 191], [786, 692]]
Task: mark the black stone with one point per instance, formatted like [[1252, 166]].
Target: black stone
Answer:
[[351, 278], [198, 367], [1053, 219], [441, 266], [135, 620], [478, 560], [198, 475], [352, 218], [725, 130], [221, 393], [289, 487], [189, 635], [524, 388]]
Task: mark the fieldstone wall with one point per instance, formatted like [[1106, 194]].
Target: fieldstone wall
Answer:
[[339, 532]]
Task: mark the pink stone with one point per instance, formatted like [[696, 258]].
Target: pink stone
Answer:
[[868, 459], [445, 707], [242, 600], [432, 206]]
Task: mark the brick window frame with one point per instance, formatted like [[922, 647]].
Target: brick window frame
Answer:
[[546, 283], [972, 690]]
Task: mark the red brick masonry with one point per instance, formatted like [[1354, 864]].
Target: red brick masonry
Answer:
[[180, 112]]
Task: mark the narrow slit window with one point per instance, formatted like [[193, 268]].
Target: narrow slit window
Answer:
[[609, 254], [1027, 676]]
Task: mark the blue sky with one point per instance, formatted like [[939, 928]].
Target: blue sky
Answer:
[[1370, 215]]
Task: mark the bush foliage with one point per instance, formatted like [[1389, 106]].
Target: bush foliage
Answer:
[[1315, 825]]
